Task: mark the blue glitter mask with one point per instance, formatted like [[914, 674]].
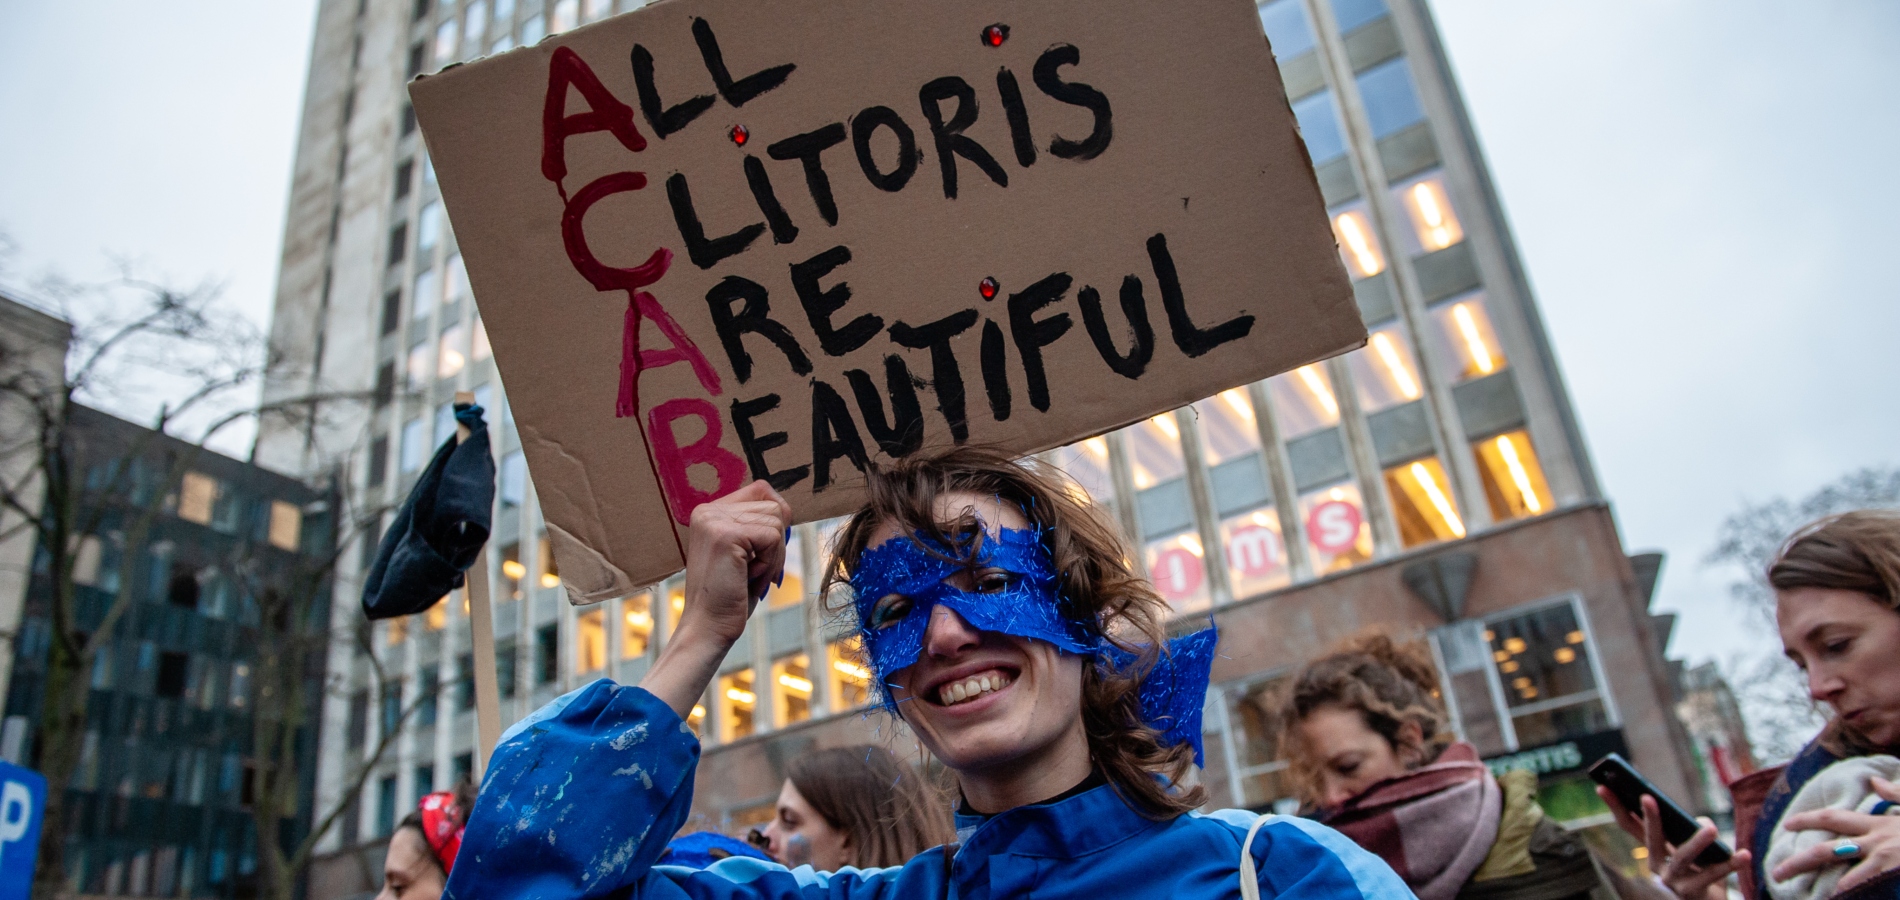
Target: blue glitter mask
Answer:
[[1027, 605]]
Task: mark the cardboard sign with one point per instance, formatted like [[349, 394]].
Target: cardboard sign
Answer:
[[718, 240]]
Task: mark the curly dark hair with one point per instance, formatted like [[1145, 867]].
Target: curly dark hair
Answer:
[[1095, 586], [1387, 683]]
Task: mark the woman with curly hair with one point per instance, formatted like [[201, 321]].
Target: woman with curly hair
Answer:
[[1007, 632], [1373, 757]]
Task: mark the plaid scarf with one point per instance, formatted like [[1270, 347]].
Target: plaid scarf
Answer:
[[1433, 825]]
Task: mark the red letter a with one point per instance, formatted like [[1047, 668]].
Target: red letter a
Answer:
[[605, 113]]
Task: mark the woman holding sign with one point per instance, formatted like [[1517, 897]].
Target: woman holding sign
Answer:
[[1007, 633]]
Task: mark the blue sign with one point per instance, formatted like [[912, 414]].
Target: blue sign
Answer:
[[22, 805]]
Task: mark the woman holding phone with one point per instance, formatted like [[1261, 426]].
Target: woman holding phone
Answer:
[[1007, 632], [1837, 606]]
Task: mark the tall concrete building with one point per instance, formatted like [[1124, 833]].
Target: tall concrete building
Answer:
[[1435, 483]]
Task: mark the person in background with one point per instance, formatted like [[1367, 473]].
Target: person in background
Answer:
[[1837, 606], [422, 849], [854, 806], [1372, 756]]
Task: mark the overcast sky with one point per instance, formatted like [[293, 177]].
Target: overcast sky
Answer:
[[1704, 192]]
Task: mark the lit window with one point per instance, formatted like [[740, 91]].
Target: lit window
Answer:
[[1319, 127], [1086, 464], [481, 349], [1464, 345], [636, 625], [397, 631], [429, 229], [452, 353], [850, 677], [1154, 451], [1384, 371], [1249, 529], [1422, 503], [197, 494], [696, 719], [1428, 209], [1514, 483], [675, 605], [512, 570], [1255, 552], [1288, 32], [1178, 569], [415, 444], [477, 21], [1351, 14], [1390, 99], [566, 15], [445, 43], [416, 368], [1336, 529], [590, 641], [456, 286], [1229, 432], [791, 589], [286, 525], [428, 293], [737, 701], [598, 8], [1358, 244], [1543, 668], [1303, 401], [437, 615], [791, 689], [550, 571], [514, 479]]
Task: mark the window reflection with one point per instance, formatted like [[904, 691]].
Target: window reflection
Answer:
[[1303, 401], [636, 625], [1464, 345], [850, 677], [1514, 485], [791, 688], [1336, 529], [1383, 371], [1428, 209], [737, 701], [1422, 503], [1358, 244]]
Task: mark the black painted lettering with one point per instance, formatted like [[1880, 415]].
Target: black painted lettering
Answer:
[[1033, 334], [703, 252], [755, 444], [902, 433], [1193, 341], [1135, 310], [994, 357], [946, 379], [744, 89], [864, 125], [949, 137], [1049, 80], [834, 435], [663, 119], [755, 317], [807, 148], [1018, 116], [821, 303], [783, 231]]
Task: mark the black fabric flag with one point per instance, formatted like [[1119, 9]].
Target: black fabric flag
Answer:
[[439, 529]]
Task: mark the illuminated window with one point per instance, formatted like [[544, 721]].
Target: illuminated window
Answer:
[[1249, 530], [1422, 503], [1288, 31], [1303, 401], [737, 702], [415, 444], [1319, 127], [396, 631], [445, 35], [1514, 483], [417, 371], [696, 718], [1358, 243], [452, 353], [791, 590], [437, 616], [550, 570], [286, 525], [1177, 565], [1545, 662], [429, 230], [455, 285], [1171, 548], [791, 689], [1464, 345], [481, 348], [1384, 371], [1428, 209], [636, 625], [566, 15], [197, 493], [850, 677], [675, 605], [1086, 464], [1390, 99], [590, 641], [1154, 451], [1336, 529], [1255, 551], [512, 570]]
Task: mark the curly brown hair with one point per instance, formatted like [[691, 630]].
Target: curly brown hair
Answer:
[[1095, 586], [1388, 683]]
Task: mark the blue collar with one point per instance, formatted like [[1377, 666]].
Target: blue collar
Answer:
[[1077, 826]]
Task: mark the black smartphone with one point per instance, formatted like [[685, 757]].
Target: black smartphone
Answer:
[[1629, 786]]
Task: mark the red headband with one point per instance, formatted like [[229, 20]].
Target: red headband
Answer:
[[442, 824]]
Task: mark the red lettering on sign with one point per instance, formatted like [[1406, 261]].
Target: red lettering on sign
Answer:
[[604, 112], [673, 462]]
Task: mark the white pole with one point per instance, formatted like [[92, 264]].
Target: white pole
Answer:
[[481, 621]]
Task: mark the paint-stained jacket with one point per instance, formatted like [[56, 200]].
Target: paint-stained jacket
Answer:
[[582, 797]]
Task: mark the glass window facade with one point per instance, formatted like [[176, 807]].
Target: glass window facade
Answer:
[[1288, 30], [1251, 546], [1086, 464], [850, 684], [514, 479], [791, 689], [1351, 14], [1338, 536], [1303, 401], [636, 625], [1171, 548], [1384, 371], [737, 701], [1428, 210], [415, 445], [1550, 682], [1463, 343], [1390, 99], [452, 351], [1319, 126], [590, 641], [1422, 502], [1514, 485], [1358, 242]]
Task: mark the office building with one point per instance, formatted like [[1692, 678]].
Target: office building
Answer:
[[1435, 482]]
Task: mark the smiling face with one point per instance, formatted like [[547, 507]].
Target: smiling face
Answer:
[[1846, 641], [988, 704]]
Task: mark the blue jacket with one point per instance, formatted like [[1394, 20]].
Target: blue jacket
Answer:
[[582, 797]]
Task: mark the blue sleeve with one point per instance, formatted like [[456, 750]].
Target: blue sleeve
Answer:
[[1299, 859]]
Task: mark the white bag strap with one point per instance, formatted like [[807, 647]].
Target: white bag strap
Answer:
[[1249, 876]]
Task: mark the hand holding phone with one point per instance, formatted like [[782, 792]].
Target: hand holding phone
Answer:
[[1628, 786]]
